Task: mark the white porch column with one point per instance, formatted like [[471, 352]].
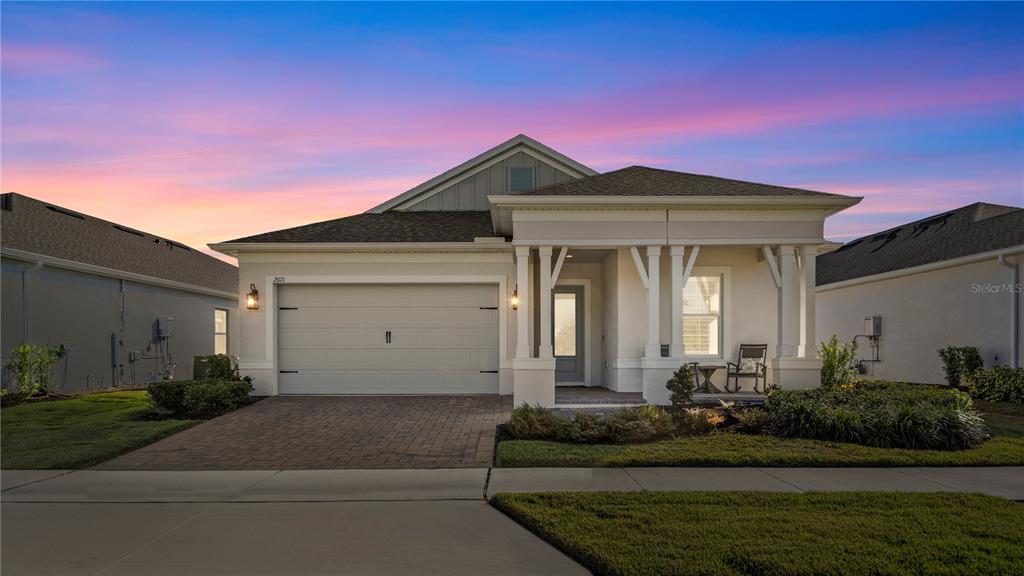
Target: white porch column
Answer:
[[789, 304], [653, 349], [523, 289], [544, 268], [808, 339], [676, 346]]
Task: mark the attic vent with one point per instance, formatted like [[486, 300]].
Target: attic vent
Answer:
[[66, 212], [520, 178], [173, 244], [129, 230]]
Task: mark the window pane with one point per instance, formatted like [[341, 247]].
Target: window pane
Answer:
[[702, 295], [220, 321], [565, 324], [700, 334], [220, 344]]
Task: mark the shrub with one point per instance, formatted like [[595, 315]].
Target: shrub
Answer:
[[199, 398], [753, 420], [882, 414], [958, 362], [209, 397], [836, 362], [584, 428], [629, 425], [681, 386], [639, 424], [697, 421], [221, 367], [1000, 384], [31, 366], [534, 423], [8, 398], [168, 395]]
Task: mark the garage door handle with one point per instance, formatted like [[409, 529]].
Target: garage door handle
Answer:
[[488, 371], [387, 337]]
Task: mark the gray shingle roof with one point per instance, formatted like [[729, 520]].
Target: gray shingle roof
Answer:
[[972, 229], [47, 229], [644, 181], [441, 226]]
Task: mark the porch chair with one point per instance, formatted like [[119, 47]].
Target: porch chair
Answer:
[[751, 363]]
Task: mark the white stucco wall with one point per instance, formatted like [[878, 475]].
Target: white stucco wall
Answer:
[[921, 313]]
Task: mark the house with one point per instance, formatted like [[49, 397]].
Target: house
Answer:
[[521, 270], [904, 293], [127, 307]]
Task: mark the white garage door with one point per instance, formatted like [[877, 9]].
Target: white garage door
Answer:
[[388, 339]]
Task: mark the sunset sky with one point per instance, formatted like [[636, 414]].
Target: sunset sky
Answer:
[[206, 122]]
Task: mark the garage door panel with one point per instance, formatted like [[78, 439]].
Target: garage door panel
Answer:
[[388, 382], [430, 338], [332, 339], [398, 295], [387, 359], [386, 317]]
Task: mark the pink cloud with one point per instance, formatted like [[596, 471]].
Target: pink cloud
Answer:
[[46, 59]]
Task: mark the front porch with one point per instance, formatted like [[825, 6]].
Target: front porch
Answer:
[[590, 397], [611, 323]]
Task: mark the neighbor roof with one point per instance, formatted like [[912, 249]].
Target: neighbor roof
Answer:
[[440, 226], [41, 228], [644, 181], [972, 229]]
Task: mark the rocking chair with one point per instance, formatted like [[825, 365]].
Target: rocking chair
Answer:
[[751, 363]]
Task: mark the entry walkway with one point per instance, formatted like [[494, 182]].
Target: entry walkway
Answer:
[[480, 483]]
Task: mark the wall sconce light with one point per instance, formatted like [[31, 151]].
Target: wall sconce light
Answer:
[[515, 298], [252, 299]]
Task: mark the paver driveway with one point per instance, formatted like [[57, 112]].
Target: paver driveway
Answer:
[[326, 432]]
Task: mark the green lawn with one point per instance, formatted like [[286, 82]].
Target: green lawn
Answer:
[[726, 449], [844, 533], [78, 432], [1003, 418]]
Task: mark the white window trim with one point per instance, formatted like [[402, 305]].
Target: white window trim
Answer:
[[508, 175], [227, 329], [725, 343]]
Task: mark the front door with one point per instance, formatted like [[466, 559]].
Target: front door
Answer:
[[567, 334]]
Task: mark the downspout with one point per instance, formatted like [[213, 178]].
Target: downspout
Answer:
[[25, 300], [1015, 293]]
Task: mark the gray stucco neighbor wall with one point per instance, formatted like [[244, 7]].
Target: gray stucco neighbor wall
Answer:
[[83, 312]]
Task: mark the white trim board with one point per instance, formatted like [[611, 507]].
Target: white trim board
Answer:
[[54, 262]]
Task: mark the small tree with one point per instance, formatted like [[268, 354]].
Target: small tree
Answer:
[[836, 362], [31, 366], [959, 362], [681, 386], [221, 367]]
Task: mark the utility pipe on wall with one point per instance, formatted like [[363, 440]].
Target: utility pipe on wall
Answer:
[[1015, 293]]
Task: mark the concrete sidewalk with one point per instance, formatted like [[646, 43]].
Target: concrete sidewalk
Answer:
[[479, 483]]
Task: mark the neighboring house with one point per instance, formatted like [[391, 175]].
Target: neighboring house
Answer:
[[521, 269], [950, 279], [127, 307]]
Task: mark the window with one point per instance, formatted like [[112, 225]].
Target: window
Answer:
[[702, 314], [565, 324], [520, 178], [220, 331]]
